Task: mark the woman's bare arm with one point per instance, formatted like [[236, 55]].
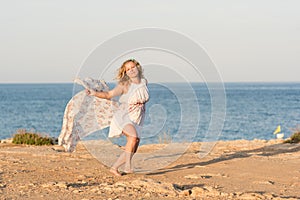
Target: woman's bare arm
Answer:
[[117, 91]]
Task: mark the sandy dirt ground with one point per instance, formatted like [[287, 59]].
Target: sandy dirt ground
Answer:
[[239, 169]]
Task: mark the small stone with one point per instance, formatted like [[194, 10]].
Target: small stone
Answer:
[[185, 193], [9, 140], [200, 166], [147, 195], [107, 188], [247, 196], [81, 177], [238, 193], [77, 191], [209, 188], [192, 176], [279, 198], [223, 194], [61, 185], [47, 185], [264, 182], [268, 196], [95, 190], [296, 184], [197, 191], [259, 196], [271, 182], [214, 193], [120, 184], [120, 189]]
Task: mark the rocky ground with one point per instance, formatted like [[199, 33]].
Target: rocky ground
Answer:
[[240, 169]]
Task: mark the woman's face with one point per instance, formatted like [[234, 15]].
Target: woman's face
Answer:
[[131, 70]]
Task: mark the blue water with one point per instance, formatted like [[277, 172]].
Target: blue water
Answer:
[[253, 110]]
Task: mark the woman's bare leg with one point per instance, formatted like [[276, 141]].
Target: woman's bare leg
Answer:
[[137, 144], [120, 161], [130, 148]]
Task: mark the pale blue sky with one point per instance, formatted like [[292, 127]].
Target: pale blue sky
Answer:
[[251, 40]]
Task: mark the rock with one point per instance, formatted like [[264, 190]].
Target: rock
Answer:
[[259, 196], [9, 140], [268, 196], [147, 195], [192, 176], [223, 194], [61, 185], [40, 172], [77, 191], [108, 188], [197, 192], [119, 189], [247, 196], [95, 190], [208, 188], [81, 177], [211, 191], [31, 185], [279, 198], [120, 184], [185, 193], [296, 184], [47, 185], [264, 182], [214, 193], [200, 166], [166, 189], [203, 176]]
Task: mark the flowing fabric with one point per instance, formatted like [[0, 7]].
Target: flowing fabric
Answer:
[[86, 114]]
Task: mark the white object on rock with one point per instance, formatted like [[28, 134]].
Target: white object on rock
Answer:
[[279, 135]]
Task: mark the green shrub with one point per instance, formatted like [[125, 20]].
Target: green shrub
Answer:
[[24, 137], [295, 138]]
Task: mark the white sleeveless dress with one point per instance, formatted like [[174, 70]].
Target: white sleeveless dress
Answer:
[[131, 109]]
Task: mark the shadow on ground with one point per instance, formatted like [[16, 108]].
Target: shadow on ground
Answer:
[[271, 150]]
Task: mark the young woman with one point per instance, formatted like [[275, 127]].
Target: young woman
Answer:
[[128, 119]]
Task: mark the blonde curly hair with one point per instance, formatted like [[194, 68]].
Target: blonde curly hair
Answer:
[[121, 73]]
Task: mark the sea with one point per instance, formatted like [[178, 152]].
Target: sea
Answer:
[[176, 112]]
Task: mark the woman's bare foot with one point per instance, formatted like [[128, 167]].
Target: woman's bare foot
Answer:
[[115, 172]]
